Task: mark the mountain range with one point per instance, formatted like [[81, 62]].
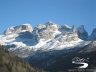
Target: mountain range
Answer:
[[50, 46]]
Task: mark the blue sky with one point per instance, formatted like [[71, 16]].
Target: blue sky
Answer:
[[77, 12]]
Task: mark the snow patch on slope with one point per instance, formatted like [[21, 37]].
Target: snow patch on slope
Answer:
[[46, 38]]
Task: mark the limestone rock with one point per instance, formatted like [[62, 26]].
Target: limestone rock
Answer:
[[18, 29]]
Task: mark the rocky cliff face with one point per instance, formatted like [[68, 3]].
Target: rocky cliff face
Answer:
[[46, 31], [51, 30], [82, 33], [93, 35], [24, 41], [18, 29]]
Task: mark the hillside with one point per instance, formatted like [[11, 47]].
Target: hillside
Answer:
[[86, 54], [11, 63]]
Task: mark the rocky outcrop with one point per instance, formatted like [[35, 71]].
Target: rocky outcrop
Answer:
[[47, 36], [64, 28], [94, 44], [93, 35], [9, 30], [82, 33], [52, 26], [18, 29], [74, 33], [45, 31]]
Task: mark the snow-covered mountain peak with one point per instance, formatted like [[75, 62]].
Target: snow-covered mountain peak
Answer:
[[43, 37], [18, 29], [65, 28], [65, 25], [46, 31], [40, 26]]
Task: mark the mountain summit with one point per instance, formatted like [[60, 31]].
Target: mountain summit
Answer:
[[25, 41], [82, 33], [18, 29]]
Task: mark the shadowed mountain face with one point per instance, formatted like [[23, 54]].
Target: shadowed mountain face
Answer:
[[82, 33], [11, 63], [62, 60], [87, 54], [65, 63], [93, 34]]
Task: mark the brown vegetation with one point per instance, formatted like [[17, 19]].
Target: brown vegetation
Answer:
[[11, 63]]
